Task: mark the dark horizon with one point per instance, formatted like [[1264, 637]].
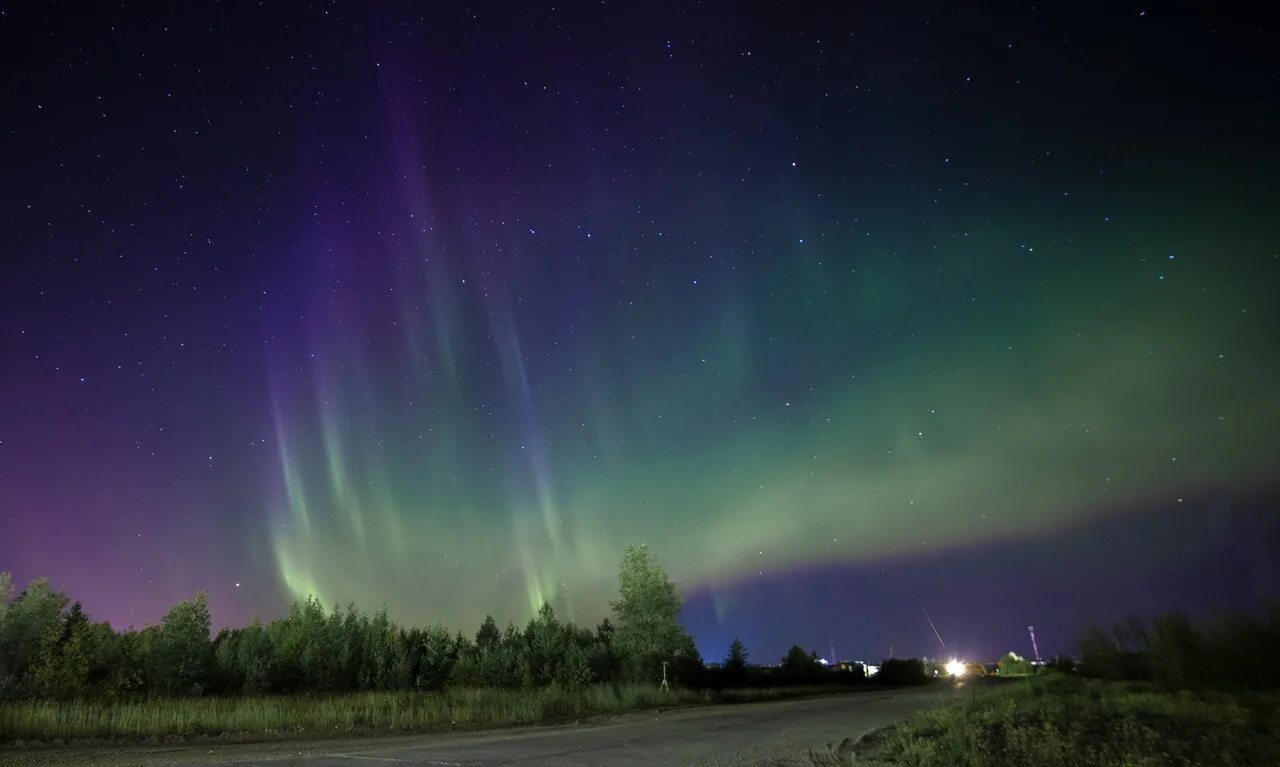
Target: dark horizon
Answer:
[[841, 312]]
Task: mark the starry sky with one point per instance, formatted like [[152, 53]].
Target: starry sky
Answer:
[[848, 314]]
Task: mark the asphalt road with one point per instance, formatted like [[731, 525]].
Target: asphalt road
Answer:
[[720, 735]]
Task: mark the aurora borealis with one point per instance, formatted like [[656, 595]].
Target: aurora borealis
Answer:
[[837, 312]]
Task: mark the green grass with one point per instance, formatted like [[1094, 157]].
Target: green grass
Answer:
[[1064, 721], [270, 718]]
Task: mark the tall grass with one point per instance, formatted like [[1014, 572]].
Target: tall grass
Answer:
[[281, 716], [1063, 721], [268, 718]]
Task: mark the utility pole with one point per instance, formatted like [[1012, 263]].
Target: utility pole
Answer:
[[1032, 631], [664, 685]]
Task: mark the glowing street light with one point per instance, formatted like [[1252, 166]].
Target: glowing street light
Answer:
[[955, 668]]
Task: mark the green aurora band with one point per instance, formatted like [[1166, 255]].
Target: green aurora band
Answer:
[[941, 411]]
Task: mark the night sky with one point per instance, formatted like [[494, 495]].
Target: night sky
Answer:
[[848, 314]]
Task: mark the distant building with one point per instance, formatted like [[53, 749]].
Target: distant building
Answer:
[[867, 669]]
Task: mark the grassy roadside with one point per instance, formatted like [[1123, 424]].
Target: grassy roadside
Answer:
[[1063, 721], [286, 717]]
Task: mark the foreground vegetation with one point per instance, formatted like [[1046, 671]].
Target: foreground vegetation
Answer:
[[278, 717], [1060, 720]]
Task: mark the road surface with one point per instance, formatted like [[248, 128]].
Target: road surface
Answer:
[[741, 734], [722, 735]]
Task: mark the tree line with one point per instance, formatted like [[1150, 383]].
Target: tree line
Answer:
[[51, 649], [1233, 650]]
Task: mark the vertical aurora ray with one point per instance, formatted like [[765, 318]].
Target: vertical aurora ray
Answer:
[[342, 495], [293, 484], [546, 543]]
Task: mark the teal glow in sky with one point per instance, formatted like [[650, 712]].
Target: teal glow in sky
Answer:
[[743, 429]]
